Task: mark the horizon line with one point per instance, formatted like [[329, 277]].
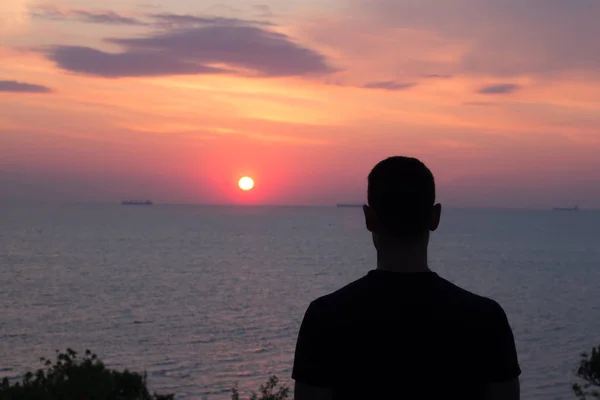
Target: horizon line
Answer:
[[333, 205]]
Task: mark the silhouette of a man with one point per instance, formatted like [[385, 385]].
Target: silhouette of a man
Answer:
[[402, 331]]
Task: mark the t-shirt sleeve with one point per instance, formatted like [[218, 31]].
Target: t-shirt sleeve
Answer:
[[501, 362], [312, 361]]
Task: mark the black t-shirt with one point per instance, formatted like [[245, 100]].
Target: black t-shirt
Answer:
[[395, 335]]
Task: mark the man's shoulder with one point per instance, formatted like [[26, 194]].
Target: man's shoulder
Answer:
[[480, 307], [445, 293], [332, 301]]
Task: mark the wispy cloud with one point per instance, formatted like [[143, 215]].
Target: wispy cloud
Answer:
[[242, 48], [263, 10], [161, 19], [478, 103], [389, 85], [88, 16], [171, 20], [22, 87], [502, 88], [437, 76], [507, 37], [13, 15]]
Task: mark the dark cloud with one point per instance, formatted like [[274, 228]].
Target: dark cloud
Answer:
[[246, 50], [89, 16], [95, 62], [22, 87], [389, 85], [503, 88]]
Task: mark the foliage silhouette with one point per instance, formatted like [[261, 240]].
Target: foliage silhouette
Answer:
[[589, 372], [269, 391], [73, 378]]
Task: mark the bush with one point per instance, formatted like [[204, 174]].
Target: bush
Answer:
[[589, 372], [73, 378], [267, 391]]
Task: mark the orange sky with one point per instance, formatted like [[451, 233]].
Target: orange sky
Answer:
[[175, 101]]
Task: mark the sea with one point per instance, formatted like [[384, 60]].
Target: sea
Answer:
[[203, 297]]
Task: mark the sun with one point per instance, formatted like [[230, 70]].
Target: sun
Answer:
[[246, 183]]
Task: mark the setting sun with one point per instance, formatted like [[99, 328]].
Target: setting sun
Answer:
[[246, 183]]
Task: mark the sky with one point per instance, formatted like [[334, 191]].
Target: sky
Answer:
[[175, 100]]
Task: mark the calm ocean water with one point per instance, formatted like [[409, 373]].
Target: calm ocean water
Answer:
[[202, 297]]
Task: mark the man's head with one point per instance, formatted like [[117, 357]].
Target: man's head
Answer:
[[401, 201]]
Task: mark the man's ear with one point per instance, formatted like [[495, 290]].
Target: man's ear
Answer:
[[371, 220], [436, 215]]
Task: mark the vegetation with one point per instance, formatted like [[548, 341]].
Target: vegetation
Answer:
[[589, 372], [87, 378], [73, 378], [270, 391]]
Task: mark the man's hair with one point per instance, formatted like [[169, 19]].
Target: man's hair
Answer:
[[401, 192]]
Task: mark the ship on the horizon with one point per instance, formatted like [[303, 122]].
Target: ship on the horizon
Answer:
[[576, 208], [137, 203], [348, 205]]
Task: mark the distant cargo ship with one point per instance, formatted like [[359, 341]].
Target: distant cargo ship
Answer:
[[349, 205], [137, 203], [576, 208]]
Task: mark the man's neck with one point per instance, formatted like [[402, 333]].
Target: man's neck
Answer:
[[409, 259]]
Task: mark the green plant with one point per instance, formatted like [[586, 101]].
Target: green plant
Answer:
[[589, 372], [73, 378], [269, 391]]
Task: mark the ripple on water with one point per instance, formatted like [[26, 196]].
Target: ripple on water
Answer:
[[203, 297]]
